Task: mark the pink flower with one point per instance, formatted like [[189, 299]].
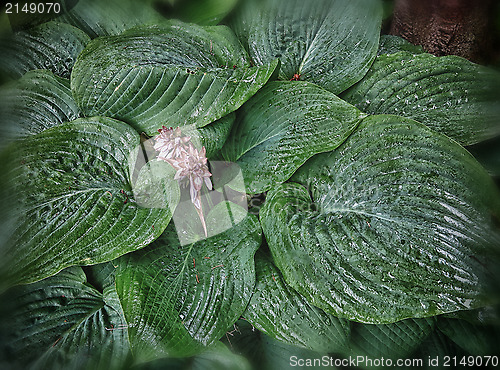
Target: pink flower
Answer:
[[192, 165], [170, 142], [189, 163]]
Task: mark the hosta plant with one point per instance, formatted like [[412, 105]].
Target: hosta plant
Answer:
[[193, 183]]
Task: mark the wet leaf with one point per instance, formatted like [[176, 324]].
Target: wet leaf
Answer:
[[37, 101], [53, 46], [170, 74], [329, 43], [63, 322], [280, 312], [285, 124], [75, 200], [179, 299], [449, 94], [395, 223]]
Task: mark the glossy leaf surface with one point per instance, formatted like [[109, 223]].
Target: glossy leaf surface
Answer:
[[53, 46], [75, 200], [37, 101], [329, 43], [171, 74], [178, 299], [64, 322], [397, 222], [449, 94], [282, 313], [285, 124]]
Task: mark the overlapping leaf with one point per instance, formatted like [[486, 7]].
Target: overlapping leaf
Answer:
[[53, 46], [285, 124], [398, 222], [282, 313], [178, 299], [214, 135], [171, 74], [449, 94], [110, 17], [75, 200], [330, 43], [37, 101], [63, 322]]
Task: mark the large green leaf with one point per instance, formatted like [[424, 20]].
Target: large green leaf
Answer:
[[178, 299], [35, 102], [433, 351], [449, 94], [170, 74], [75, 200], [214, 135], [397, 222], [63, 322], [282, 313], [285, 124], [329, 42], [110, 17], [53, 46]]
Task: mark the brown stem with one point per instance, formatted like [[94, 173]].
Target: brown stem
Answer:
[[444, 27]]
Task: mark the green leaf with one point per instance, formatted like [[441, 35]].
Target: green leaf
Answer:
[[282, 313], [330, 43], [171, 74], [110, 17], [178, 299], [63, 322], [37, 101], [285, 124], [398, 340], [390, 44], [214, 135], [203, 12], [75, 200], [449, 94], [397, 222], [53, 46]]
